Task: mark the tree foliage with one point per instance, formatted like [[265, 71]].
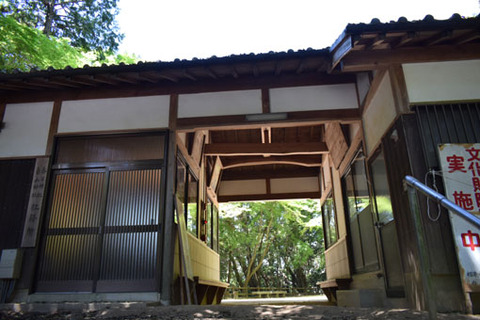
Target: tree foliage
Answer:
[[89, 24], [272, 244], [24, 48]]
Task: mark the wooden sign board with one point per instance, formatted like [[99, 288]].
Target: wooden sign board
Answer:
[[35, 203]]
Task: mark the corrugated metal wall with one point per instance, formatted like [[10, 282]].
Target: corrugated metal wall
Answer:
[[447, 123], [102, 225]]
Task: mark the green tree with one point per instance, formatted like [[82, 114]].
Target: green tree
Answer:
[[89, 24], [272, 244], [24, 48]]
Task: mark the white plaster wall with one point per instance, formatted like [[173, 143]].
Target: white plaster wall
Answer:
[[338, 96], [26, 127], [230, 188], [443, 81], [114, 114], [379, 115], [219, 103], [294, 185]]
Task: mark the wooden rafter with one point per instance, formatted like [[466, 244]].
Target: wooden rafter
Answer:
[[303, 161], [272, 149]]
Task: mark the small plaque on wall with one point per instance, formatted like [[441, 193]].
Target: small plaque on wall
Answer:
[[35, 203]]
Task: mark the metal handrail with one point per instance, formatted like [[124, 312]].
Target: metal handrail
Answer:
[[442, 200], [413, 185]]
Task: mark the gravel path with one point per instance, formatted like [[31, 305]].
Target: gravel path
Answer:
[[232, 312]]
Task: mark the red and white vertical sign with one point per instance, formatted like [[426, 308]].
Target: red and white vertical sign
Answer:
[[461, 175]]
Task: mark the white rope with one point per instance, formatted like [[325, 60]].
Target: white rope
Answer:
[[432, 172]]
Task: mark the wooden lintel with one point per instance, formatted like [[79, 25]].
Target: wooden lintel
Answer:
[[269, 172], [299, 160], [370, 60], [293, 118], [270, 196], [272, 149]]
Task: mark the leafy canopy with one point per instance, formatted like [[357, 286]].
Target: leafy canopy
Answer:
[[272, 244], [89, 24], [24, 48]]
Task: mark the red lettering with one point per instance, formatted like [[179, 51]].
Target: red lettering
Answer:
[[474, 154], [471, 240], [476, 184], [475, 168], [455, 163], [463, 200]]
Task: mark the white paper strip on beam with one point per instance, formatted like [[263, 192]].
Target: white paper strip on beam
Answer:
[[25, 131], [223, 103], [114, 114], [328, 97]]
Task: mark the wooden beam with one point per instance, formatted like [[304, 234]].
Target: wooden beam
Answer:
[[269, 171], [304, 161], [198, 143], [272, 149], [293, 118], [370, 60], [399, 89], [57, 107], [216, 173], [336, 142], [271, 196]]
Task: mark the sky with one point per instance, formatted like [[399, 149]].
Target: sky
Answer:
[[161, 30]]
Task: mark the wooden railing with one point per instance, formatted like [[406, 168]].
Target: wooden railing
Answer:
[[267, 292]]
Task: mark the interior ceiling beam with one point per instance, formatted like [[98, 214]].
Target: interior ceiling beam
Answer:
[[269, 172], [260, 149], [302, 160], [368, 60]]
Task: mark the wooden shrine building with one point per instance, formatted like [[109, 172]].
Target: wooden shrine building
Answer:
[[94, 162]]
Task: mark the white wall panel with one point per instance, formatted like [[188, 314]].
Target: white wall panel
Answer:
[[114, 114], [295, 185], [443, 81], [380, 114], [26, 127], [230, 188], [338, 96], [219, 103]]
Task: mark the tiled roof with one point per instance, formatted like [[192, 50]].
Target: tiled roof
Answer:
[[375, 35]]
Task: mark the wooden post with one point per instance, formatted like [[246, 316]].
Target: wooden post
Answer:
[[168, 223], [423, 259], [3, 107], [57, 106]]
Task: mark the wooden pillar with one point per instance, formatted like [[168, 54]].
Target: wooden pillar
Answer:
[[3, 107], [57, 106], [168, 222]]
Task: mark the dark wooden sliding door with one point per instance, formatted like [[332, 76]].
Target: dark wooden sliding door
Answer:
[[103, 224]]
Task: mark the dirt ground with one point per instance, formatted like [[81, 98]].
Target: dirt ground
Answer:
[[230, 312]]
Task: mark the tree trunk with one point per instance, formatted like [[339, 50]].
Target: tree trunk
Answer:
[[49, 14]]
